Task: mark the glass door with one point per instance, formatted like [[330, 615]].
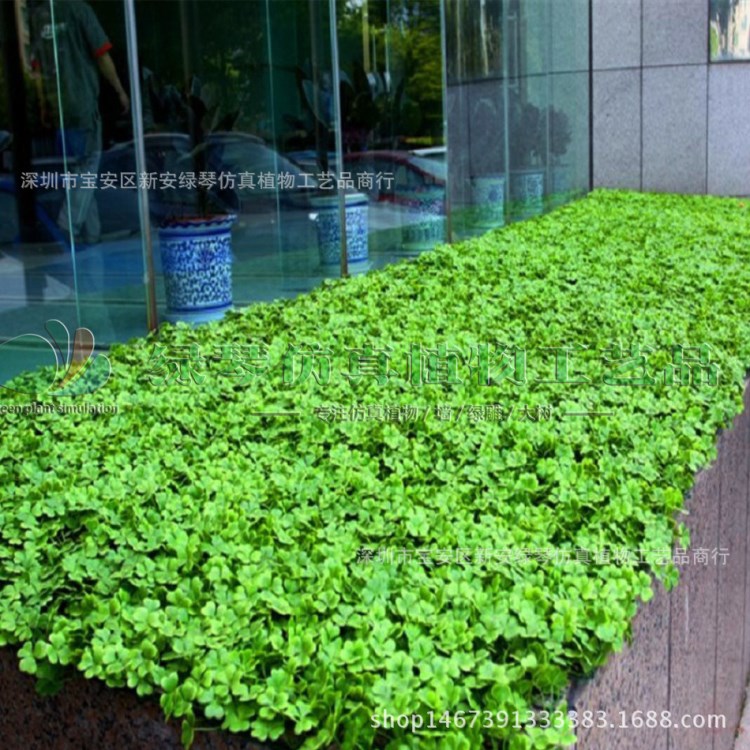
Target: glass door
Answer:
[[239, 122], [71, 239], [518, 104], [392, 121]]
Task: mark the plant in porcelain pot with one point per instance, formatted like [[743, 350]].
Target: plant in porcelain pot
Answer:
[[326, 215], [196, 241], [528, 156], [487, 166], [560, 136], [375, 114], [324, 202]]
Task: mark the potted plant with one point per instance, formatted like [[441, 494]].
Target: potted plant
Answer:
[[560, 136], [326, 216], [528, 152], [373, 113], [488, 172], [424, 217], [325, 213], [196, 242]]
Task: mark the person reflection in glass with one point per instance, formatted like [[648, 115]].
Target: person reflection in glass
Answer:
[[69, 52]]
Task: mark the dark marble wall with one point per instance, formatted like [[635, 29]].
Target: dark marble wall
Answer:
[[690, 653], [87, 715]]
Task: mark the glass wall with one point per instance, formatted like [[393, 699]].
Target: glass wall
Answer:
[[163, 160], [239, 107], [70, 249], [518, 103], [392, 120]]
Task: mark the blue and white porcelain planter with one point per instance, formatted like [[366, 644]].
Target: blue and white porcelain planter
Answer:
[[196, 258], [488, 198], [527, 192], [326, 217], [424, 219]]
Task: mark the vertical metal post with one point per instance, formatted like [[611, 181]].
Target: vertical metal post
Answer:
[[507, 114], [387, 44], [591, 93], [548, 66], [12, 43], [61, 126], [272, 104], [140, 164], [446, 135], [337, 131]]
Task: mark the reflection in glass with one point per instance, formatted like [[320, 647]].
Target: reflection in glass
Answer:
[[245, 86], [730, 30], [396, 121], [517, 145], [70, 250], [391, 94]]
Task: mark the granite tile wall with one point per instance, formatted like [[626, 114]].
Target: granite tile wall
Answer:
[[664, 118]]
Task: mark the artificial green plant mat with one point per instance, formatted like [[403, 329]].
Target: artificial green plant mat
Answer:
[[218, 542]]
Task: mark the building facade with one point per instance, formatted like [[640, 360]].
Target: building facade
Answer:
[[671, 95]]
